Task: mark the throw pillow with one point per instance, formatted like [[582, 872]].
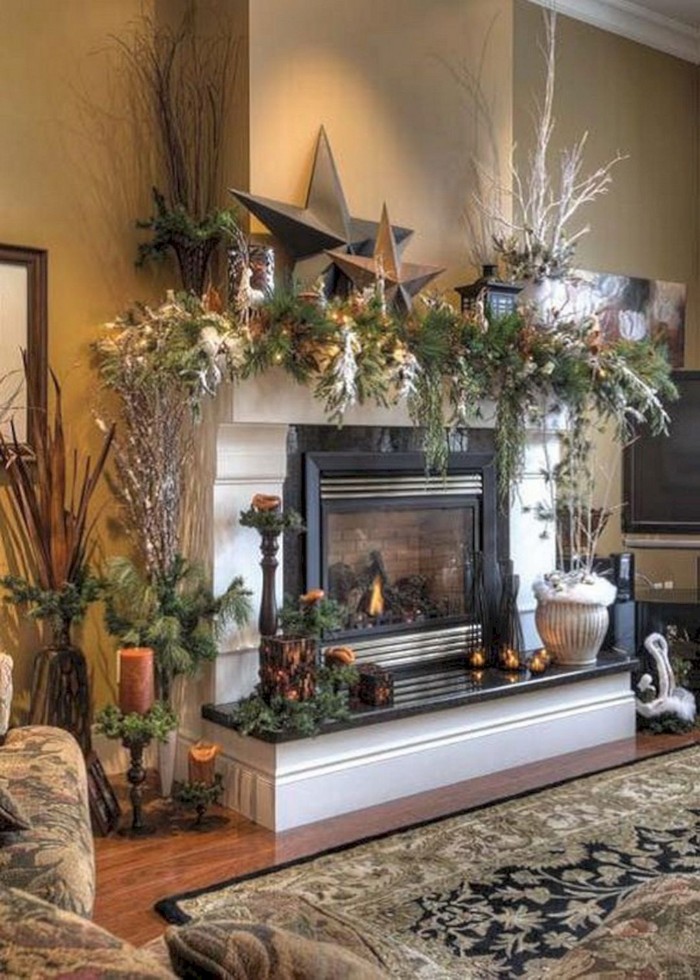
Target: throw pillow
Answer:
[[39, 941], [221, 949], [11, 816]]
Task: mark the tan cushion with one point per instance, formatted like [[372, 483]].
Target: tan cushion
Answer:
[[39, 941], [229, 950], [11, 815]]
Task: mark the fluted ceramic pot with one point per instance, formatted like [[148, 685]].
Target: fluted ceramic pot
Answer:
[[572, 632]]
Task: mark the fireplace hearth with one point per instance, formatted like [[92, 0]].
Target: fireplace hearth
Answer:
[[392, 544]]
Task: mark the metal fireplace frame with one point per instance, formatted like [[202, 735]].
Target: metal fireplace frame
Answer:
[[470, 481]]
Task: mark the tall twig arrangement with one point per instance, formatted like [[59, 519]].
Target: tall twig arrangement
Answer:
[[182, 84], [161, 363], [537, 242]]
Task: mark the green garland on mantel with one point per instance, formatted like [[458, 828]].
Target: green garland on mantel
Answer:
[[443, 363]]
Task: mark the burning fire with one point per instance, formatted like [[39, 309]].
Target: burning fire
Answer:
[[376, 599]]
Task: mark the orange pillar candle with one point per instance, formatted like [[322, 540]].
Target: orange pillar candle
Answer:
[[136, 681], [201, 763]]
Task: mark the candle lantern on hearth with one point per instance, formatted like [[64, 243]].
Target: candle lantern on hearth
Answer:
[[480, 634], [509, 634], [288, 660], [538, 662]]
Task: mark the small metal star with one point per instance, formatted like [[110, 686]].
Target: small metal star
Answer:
[[403, 279]]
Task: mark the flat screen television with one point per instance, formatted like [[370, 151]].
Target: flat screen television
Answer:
[[661, 474]]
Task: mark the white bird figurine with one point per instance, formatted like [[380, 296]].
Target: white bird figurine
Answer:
[[671, 699]]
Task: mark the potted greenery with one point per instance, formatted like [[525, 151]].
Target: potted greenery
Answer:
[[48, 499], [572, 601]]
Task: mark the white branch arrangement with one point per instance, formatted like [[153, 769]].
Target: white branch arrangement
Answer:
[[536, 243]]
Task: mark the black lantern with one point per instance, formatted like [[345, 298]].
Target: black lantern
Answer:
[[498, 297]]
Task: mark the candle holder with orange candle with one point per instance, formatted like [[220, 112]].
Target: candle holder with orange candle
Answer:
[[200, 796], [135, 732], [136, 680], [476, 659], [201, 763]]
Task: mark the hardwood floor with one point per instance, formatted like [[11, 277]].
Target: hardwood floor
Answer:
[[132, 874]]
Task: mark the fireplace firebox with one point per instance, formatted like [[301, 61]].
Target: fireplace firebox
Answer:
[[396, 546]]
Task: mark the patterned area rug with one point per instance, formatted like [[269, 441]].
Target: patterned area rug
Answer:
[[502, 891]]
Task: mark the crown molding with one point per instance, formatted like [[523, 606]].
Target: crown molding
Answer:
[[629, 19]]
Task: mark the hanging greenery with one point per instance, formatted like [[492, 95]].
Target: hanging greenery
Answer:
[[446, 364], [352, 351]]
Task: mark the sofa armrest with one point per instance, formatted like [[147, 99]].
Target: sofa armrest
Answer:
[[44, 770]]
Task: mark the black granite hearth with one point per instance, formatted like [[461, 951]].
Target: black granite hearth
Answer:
[[413, 693]]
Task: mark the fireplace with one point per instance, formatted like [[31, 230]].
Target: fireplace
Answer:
[[394, 545]]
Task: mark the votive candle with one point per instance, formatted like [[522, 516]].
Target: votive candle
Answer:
[[201, 763], [136, 681]]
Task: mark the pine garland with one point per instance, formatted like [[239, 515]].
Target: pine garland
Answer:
[[444, 364]]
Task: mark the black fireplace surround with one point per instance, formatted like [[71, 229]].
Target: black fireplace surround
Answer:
[[391, 542]]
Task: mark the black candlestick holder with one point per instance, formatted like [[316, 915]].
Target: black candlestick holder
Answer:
[[136, 775]]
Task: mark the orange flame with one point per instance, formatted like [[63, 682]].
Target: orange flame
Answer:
[[376, 599]]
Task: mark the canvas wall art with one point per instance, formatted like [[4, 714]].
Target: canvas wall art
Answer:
[[635, 309]]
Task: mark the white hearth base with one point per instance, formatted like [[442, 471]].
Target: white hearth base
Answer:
[[287, 784]]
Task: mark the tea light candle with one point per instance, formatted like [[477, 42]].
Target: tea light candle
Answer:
[[510, 659], [477, 659], [136, 680], [201, 763]]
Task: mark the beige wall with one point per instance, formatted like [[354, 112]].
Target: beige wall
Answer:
[[380, 77], [68, 184]]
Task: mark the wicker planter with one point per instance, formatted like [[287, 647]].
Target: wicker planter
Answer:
[[287, 667], [572, 632]]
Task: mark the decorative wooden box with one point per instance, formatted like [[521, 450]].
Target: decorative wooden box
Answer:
[[287, 667], [376, 685]]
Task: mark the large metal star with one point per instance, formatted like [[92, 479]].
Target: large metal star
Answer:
[[402, 279], [324, 222]]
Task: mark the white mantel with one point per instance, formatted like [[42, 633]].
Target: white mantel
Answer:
[[251, 458]]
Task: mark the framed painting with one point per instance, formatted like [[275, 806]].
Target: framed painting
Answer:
[[23, 327], [631, 308]]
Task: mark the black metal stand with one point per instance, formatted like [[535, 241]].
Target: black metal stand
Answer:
[[136, 774]]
